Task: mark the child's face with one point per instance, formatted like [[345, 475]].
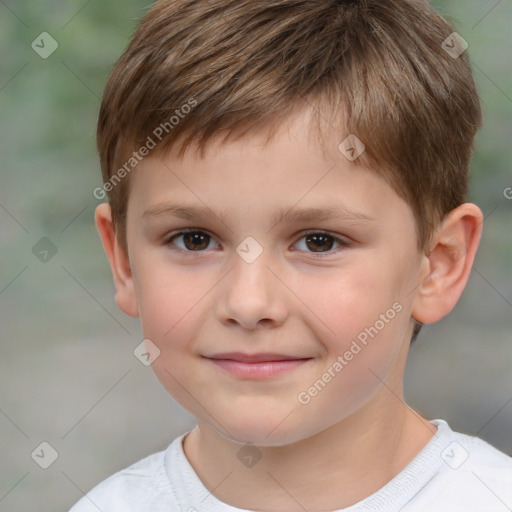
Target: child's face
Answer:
[[290, 300]]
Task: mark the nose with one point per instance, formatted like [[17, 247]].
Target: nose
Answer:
[[252, 295]]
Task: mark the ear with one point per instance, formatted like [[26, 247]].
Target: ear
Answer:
[[449, 263], [119, 261]]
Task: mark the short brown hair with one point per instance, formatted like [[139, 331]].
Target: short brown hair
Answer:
[[374, 68]]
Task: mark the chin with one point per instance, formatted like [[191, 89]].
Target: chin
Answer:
[[261, 431], [261, 437]]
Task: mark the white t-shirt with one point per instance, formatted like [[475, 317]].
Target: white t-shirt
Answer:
[[453, 473]]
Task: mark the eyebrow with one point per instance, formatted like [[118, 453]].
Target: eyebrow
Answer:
[[190, 212]]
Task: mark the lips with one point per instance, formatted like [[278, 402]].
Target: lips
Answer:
[[263, 365], [256, 358]]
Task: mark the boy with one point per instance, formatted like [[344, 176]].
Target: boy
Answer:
[[286, 184]]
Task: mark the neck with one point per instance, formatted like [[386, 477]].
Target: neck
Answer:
[[327, 471]]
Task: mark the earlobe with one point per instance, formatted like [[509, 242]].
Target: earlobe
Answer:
[[119, 261], [449, 264]]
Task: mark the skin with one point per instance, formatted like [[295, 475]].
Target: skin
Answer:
[[289, 300]]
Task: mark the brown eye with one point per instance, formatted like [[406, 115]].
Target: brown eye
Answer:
[[321, 243], [317, 243], [193, 241]]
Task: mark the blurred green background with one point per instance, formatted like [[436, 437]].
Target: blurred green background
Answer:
[[67, 372]]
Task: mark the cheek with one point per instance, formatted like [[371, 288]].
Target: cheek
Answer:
[[346, 301], [359, 319], [168, 297], [171, 305], [363, 356]]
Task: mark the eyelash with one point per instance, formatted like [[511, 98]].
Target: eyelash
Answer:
[[343, 243]]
